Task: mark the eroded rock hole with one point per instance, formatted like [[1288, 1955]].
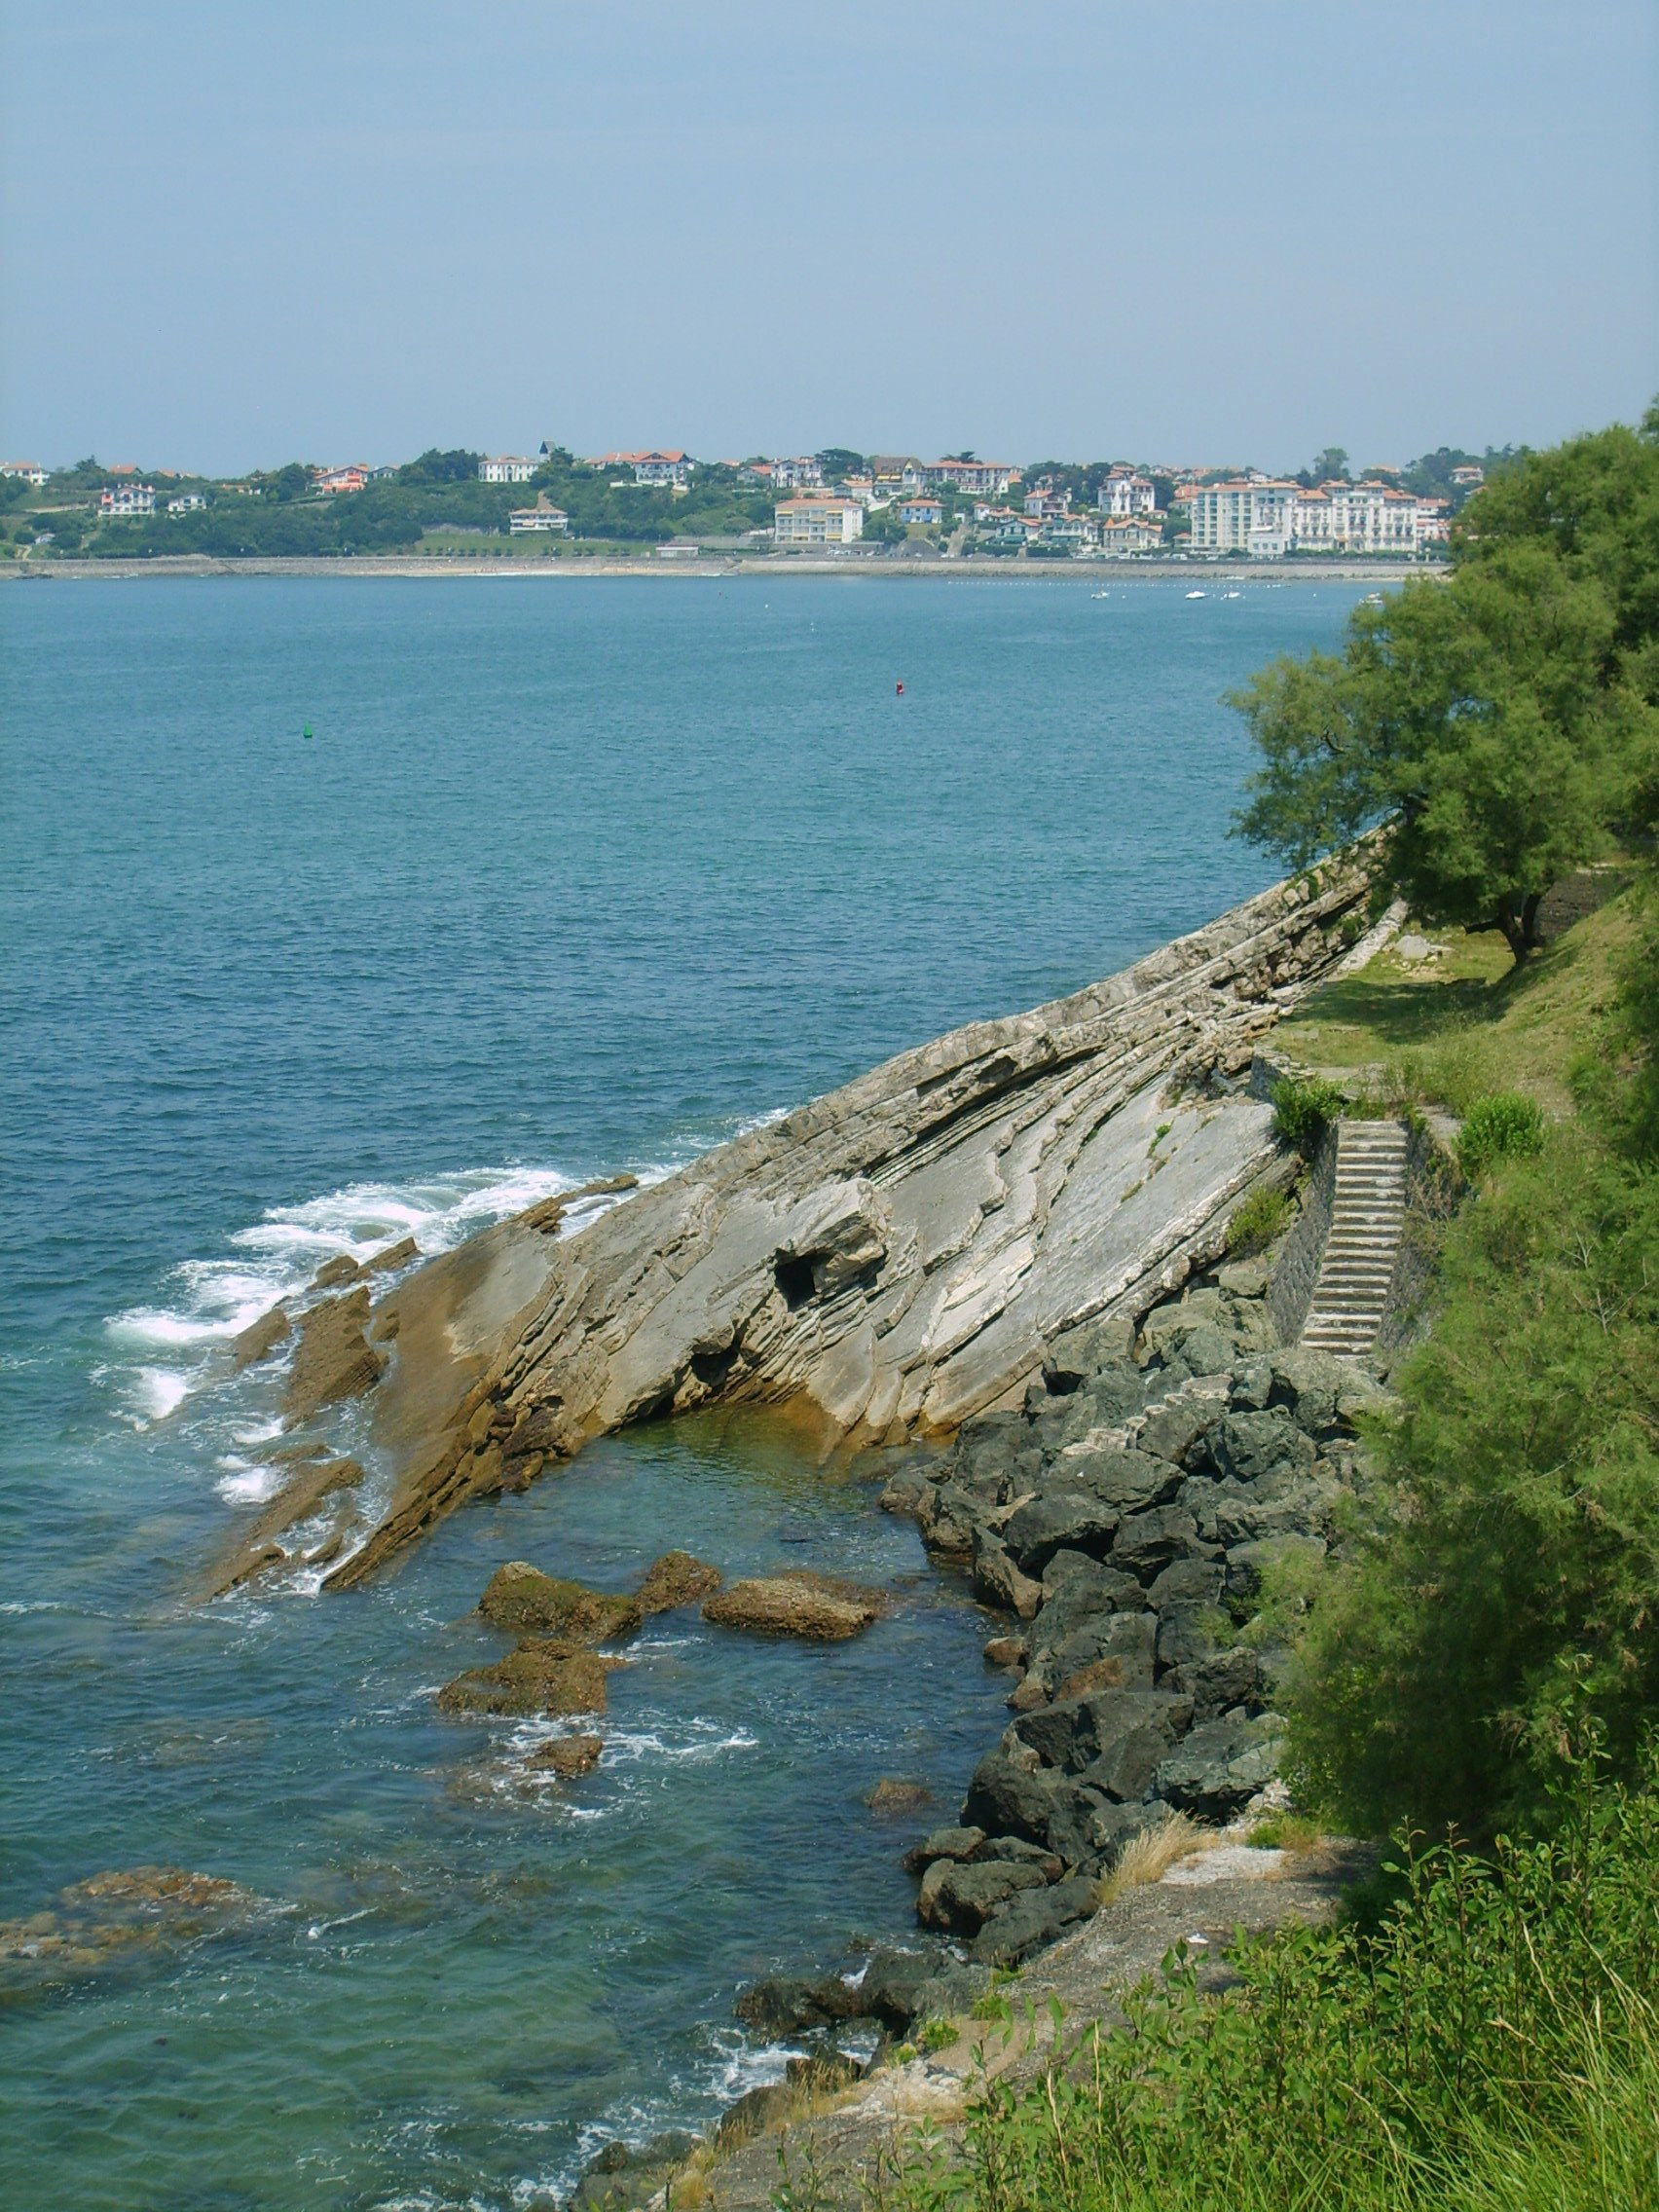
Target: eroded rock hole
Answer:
[[795, 1277]]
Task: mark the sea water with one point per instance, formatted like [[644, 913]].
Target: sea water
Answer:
[[567, 878]]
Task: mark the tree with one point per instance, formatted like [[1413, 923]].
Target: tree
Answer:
[[435, 467], [1330, 466], [1499, 724]]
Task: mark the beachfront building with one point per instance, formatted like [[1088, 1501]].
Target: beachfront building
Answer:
[[1044, 502], [1124, 494], [186, 503], [30, 471], [1123, 534], [924, 510], [1075, 534], [799, 471], [969, 476], [507, 468], [545, 516], [821, 521], [336, 480], [123, 499], [1267, 518], [1434, 522]]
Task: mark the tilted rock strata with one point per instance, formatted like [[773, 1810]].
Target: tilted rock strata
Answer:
[[895, 1255]]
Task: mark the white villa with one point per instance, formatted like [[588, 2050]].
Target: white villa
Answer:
[[30, 471], [507, 468], [816, 522], [543, 516], [1123, 534], [120, 499], [1123, 493], [798, 470], [657, 467]]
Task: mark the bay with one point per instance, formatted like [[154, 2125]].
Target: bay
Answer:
[[568, 879]]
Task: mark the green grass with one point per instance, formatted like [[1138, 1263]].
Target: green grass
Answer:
[[1486, 2042], [1470, 1023]]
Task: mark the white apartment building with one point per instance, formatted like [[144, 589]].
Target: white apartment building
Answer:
[[120, 499], [969, 476], [507, 468], [796, 471], [1125, 494], [543, 516], [186, 503], [816, 522], [30, 471], [1269, 517]]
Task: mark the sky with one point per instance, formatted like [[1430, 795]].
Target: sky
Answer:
[[1165, 229]]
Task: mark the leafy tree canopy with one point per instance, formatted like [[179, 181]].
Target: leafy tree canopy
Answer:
[[841, 461], [435, 467], [1500, 723]]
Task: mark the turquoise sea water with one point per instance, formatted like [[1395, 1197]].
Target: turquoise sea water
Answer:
[[570, 877]]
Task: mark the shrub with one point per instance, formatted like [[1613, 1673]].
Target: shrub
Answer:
[[1302, 1108], [1257, 1222], [1489, 2039], [1505, 1125]]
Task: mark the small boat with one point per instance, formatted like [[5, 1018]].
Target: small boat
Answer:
[[1196, 595], [1232, 595], [1100, 595]]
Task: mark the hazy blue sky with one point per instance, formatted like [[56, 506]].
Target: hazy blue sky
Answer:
[[347, 228]]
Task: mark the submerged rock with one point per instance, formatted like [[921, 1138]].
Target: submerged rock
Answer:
[[519, 1596], [537, 1678], [567, 1756], [113, 1916], [818, 1608], [677, 1579], [892, 1797]]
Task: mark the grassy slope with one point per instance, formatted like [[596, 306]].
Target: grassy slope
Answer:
[[1448, 1030]]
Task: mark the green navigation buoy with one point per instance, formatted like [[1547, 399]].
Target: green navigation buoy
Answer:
[[305, 732]]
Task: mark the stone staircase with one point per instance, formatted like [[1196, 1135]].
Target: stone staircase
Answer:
[[1368, 1212]]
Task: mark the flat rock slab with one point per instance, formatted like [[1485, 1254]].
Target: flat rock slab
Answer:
[[892, 1258], [818, 1608]]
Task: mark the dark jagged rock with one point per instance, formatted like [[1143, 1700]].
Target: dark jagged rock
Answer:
[[959, 1899], [1148, 1542], [959, 1843], [1027, 1923], [1000, 1582], [1245, 1447], [1114, 1736], [1218, 1769], [1060, 1520], [1010, 1793]]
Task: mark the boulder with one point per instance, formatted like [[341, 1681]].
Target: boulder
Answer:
[[755, 2111], [334, 1359], [952, 1989], [567, 1756], [1030, 1922], [1248, 1563], [818, 1608], [1018, 1851], [781, 2004], [1324, 1394], [1079, 1354], [1246, 1278], [1251, 1387], [1124, 1641], [1170, 1431], [905, 1491], [1071, 1519], [944, 1843], [1217, 1680], [959, 1899], [1280, 1505], [1219, 1768], [1007, 1650], [892, 1798], [1118, 1476], [1187, 1634], [538, 1677], [1246, 1447], [1009, 1793], [1187, 1582], [948, 1516], [893, 1980], [1103, 1734], [260, 1339], [1074, 1586], [1148, 1542], [673, 1580], [999, 1582], [519, 1597]]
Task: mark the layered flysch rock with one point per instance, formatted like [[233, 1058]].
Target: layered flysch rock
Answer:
[[895, 1257]]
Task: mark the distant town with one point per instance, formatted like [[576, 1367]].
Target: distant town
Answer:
[[665, 505]]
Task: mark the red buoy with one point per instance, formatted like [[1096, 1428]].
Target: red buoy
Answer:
[[900, 689]]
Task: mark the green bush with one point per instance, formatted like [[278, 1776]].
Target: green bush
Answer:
[[1507, 1551], [1507, 1125], [1257, 1222], [1302, 1108], [1488, 2041]]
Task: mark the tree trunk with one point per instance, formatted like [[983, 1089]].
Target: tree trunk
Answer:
[[1518, 919]]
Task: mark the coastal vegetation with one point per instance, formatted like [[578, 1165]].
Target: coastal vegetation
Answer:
[[1474, 1669]]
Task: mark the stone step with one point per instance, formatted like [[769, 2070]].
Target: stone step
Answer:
[[1367, 1212]]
